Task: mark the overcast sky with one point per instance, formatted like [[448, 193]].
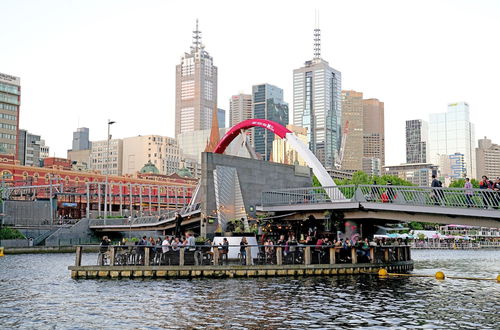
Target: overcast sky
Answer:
[[82, 62]]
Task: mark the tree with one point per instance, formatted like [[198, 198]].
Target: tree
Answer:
[[461, 182], [361, 177]]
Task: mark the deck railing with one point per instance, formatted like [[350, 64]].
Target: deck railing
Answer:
[[208, 255]]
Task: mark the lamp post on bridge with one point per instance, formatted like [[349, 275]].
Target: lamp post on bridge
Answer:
[[110, 122]]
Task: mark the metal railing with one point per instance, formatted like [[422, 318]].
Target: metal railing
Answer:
[[402, 195], [134, 222], [308, 195], [217, 255]]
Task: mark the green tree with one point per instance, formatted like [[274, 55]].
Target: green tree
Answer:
[[361, 177], [461, 182]]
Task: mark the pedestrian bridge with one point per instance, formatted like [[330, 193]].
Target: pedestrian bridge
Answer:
[[474, 207]]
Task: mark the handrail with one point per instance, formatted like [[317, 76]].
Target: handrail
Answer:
[[401, 195]]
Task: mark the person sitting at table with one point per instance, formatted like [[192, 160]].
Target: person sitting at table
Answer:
[[224, 250]]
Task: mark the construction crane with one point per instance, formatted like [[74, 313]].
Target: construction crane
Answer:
[[338, 161]]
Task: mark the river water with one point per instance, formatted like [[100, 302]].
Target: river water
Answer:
[[36, 291]]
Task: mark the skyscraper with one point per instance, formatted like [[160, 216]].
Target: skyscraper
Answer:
[[352, 113], [417, 136], [28, 148], [81, 139], [373, 130], [267, 104], [221, 117], [240, 108], [452, 132], [196, 88], [317, 105], [10, 99]]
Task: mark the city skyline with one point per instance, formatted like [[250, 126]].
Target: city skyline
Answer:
[[94, 52]]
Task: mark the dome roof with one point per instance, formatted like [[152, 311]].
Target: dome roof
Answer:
[[149, 168], [184, 172]]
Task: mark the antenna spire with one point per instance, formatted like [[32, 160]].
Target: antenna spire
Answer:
[[317, 37], [197, 38]]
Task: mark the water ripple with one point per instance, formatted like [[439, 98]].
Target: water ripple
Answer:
[[37, 292]]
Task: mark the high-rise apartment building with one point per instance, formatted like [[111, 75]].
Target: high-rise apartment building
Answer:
[[28, 148], [488, 159], [317, 105], [352, 116], [417, 139], [240, 108], [81, 139], [10, 100], [374, 130], [161, 151], [103, 162], [452, 132], [267, 104], [196, 88]]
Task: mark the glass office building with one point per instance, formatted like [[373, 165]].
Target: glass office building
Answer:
[[452, 133], [317, 107], [10, 100], [268, 104]]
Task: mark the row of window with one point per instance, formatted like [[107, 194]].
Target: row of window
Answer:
[[8, 126], [9, 88], [10, 107], [9, 98], [7, 117], [7, 136]]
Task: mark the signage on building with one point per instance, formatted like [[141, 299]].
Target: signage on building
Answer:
[[10, 79]]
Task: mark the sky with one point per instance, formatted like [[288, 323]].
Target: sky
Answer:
[[84, 62]]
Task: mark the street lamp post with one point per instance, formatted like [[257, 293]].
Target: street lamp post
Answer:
[[110, 122]]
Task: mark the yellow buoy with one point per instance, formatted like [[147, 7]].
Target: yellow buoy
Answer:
[[498, 278], [1, 252], [382, 272], [440, 276]]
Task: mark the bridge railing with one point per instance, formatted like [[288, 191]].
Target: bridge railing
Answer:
[[166, 216], [403, 195], [308, 195]]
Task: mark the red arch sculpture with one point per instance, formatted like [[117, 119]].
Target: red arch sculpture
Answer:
[[272, 126]]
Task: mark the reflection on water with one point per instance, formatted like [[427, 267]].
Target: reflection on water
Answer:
[[36, 291]]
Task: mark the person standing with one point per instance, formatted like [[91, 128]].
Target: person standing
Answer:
[[178, 222], [468, 192], [486, 185], [437, 192], [243, 250]]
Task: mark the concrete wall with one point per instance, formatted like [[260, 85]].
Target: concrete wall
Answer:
[[255, 176], [27, 212], [76, 234], [14, 243]]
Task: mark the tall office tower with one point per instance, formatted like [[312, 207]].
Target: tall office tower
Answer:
[[240, 108], [221, 117], [488, 159], [417, 137], [81, 139], [373, 130], [317, 105], [267, 104], [161, 151], [352, 117], [196, 88], [452, 132], [10, 99], [28, 148], [103, 162]]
